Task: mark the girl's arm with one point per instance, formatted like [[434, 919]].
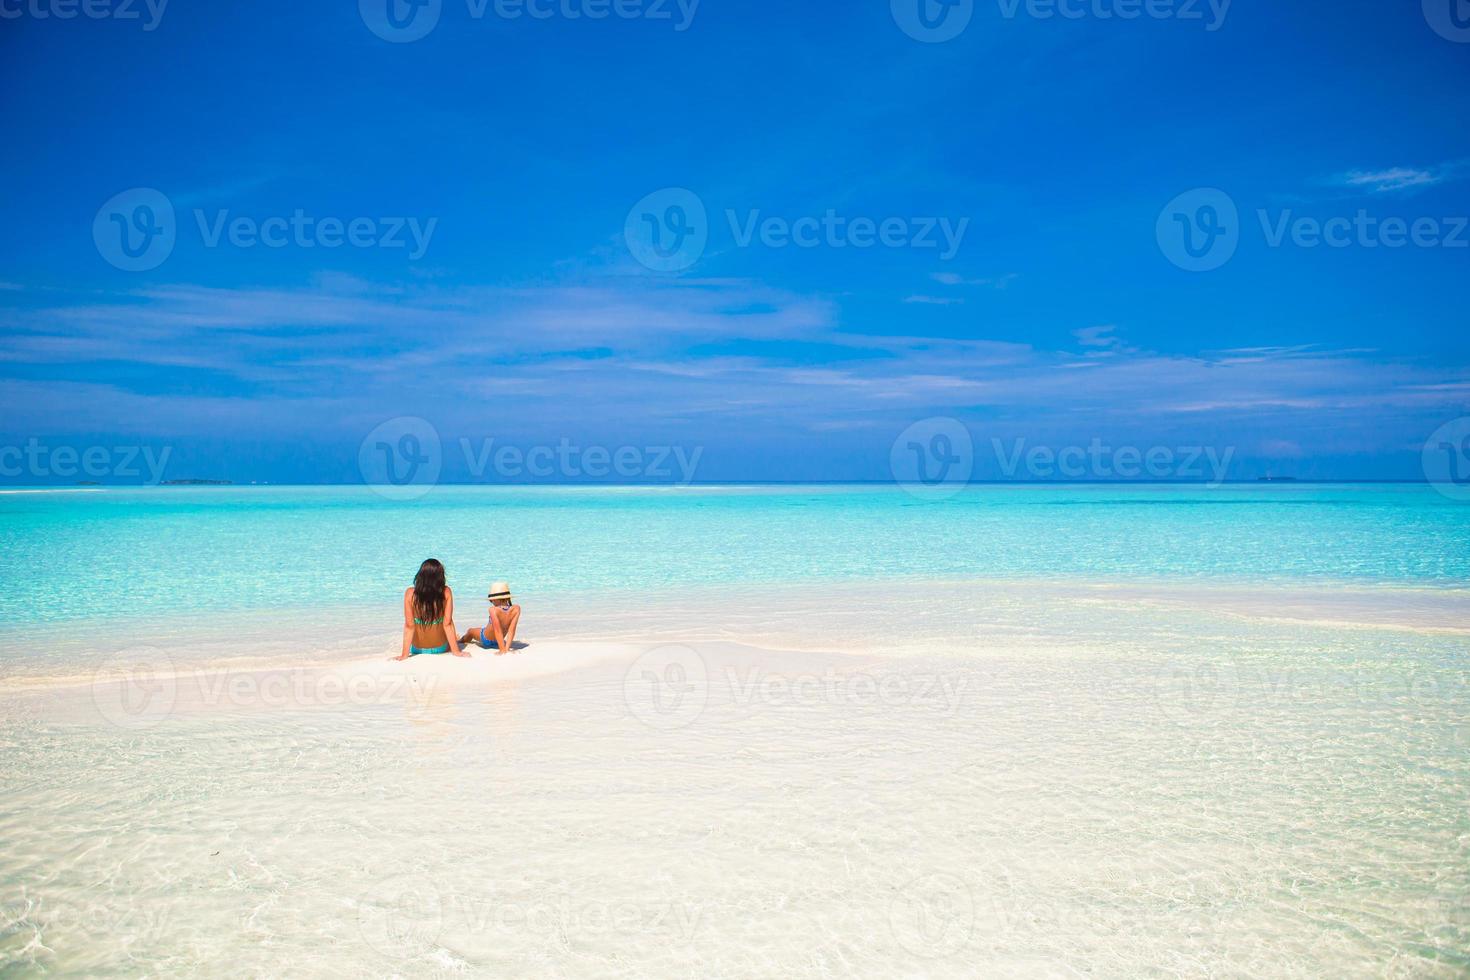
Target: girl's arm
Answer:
[[499, 632], [407, 625], [450, 633]]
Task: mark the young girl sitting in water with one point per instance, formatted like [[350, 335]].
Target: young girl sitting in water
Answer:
[[504, 616], [428, 614]]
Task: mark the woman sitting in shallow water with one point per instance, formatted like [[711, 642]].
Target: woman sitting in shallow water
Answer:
[[428, 614]]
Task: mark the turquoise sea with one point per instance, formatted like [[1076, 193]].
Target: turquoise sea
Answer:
[[171, 551], [757, 731]]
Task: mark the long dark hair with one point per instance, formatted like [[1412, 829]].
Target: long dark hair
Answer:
[[428, 591]]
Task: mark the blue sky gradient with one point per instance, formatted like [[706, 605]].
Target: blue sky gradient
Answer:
[[517, 147]]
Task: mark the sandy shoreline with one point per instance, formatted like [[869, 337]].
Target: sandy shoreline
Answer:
[[956, 780], [936, 617], [729, 810]]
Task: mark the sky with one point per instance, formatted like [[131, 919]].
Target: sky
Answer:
[[776, 242]]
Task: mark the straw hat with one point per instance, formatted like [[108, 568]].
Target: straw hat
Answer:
[[499, 590]]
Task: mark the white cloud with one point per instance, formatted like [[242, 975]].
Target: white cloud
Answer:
[[1395, 179], [1098, 336], [1400, 178], [253, 333], [629, 354], [955, 279]]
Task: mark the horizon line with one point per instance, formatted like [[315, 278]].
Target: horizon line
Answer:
[[202, 483]]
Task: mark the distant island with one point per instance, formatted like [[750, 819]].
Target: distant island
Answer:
[[170, 483]]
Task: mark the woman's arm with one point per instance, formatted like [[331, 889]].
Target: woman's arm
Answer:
[[450, 633], [407, 625]]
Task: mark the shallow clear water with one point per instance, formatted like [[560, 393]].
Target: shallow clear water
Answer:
[[1163, 794], [1107, 732]]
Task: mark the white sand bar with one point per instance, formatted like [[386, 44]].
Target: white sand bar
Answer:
[[1041, 785]]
